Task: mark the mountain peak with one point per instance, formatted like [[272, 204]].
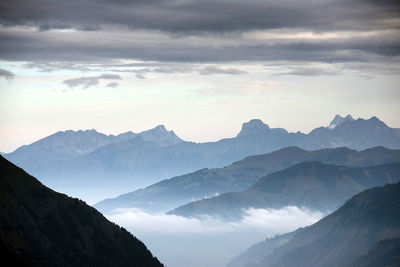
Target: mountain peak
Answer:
[[160, 128], [339, 120], [161, 136], [253, 127]]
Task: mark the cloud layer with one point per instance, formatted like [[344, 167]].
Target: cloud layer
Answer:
[[201, 15], [269, 221], [201, 31]]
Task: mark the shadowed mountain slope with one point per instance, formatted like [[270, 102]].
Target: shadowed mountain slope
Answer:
[[313, 185], [171, 193], [367, 223], [40, 227]]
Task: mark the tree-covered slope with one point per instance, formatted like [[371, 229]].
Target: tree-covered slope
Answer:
[[40, 227], [363, 232]]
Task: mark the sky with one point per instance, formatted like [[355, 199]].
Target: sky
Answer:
[[201, 68]]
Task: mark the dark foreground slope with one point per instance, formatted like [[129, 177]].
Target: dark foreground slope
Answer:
[[40, 227], [363, 232], [174, 192], [314, 185]]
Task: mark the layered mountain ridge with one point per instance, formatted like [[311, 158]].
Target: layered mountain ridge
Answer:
[[312, 185], [130, 161], [171, 193], [365, 231]]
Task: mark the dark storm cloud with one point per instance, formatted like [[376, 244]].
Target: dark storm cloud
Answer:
[[86, 82], [6, 74], [193, 31], [40, 47], [203, 16]]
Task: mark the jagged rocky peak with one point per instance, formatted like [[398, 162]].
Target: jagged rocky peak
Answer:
[[339, 120], [160, 128], [161, 135], [253, 127]]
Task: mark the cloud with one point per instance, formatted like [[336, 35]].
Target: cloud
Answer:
[[56, 33], [201, 16], [112, 84], [109, 45], [86, 82], [209, 70], [6, 74], [310, 71], [264, 220]]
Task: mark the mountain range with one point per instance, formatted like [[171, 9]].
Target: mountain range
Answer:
[[69, 161], [312, 185], [205, 183], [365, 231], [40, 227]]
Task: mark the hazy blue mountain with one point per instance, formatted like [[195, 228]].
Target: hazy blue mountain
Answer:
[[343, 238], [240, 175], [356, 134], [161, 136], [339, 120], [141, 159], [40, 227], [314, 185], [260, 250]]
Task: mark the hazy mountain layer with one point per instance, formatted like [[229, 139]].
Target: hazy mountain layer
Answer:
[[350, 236], [313, 185], [259, 251], [171, 193], [40, 227], [138, 160]]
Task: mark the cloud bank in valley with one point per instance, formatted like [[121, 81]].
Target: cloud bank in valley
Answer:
[[267, 221]]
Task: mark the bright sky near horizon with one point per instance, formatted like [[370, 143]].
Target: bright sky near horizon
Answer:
[[201, 68]]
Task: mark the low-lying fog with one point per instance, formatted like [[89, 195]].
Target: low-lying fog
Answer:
[[180, 242]]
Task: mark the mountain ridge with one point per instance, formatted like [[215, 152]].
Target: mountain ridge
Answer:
[[342, 238], [312, 185], [120, 168], [170, 193], [41, 227]]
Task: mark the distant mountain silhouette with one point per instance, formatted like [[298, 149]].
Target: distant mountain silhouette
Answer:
[[314, 185], [40, 227], [260, 250], [171, 193], [365, 231], [135, 160], [339, 120]]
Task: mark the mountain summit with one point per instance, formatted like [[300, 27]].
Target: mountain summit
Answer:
[[253, 127], [339, 120], [161, 136]]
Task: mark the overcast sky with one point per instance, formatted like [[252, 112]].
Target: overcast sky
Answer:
[[201, 68]]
